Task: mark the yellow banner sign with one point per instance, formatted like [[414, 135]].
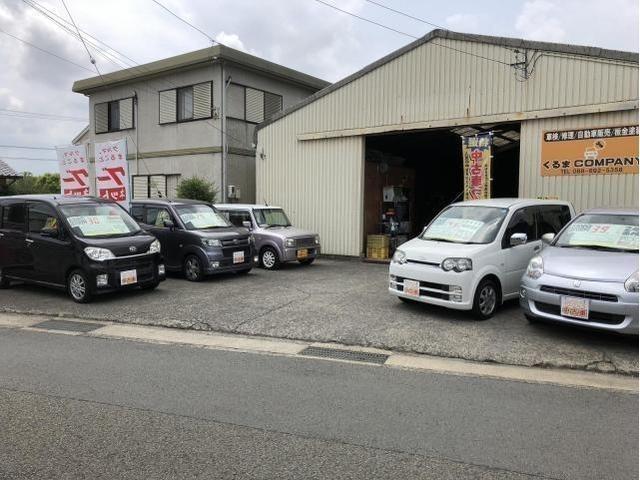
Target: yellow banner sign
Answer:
[[476, 153], [590, 151]]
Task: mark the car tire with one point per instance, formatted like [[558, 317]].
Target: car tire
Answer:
[[4, 281], [78, 287], [193, 269], [269, 259], [308, 261], [486, 299]]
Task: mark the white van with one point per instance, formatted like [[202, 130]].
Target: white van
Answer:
[[473, 254]]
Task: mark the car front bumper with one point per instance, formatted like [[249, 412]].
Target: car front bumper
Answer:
[[105, 277], [437, 287], [220, 260], [616, 316], [291, 254]]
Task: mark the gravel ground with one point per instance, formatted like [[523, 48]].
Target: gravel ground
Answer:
[[343, 301]]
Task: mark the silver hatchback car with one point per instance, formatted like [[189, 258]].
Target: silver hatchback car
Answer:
[[588, 274]]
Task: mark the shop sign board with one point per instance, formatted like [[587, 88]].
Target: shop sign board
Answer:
[[112, 171], [74, 170], [476, 154], [590, 151]]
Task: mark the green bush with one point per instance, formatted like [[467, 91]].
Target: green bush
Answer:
[[29, 183], [196, 188]]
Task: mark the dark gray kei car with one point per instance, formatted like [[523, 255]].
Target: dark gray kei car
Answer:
[[82, 244], [195, 238]]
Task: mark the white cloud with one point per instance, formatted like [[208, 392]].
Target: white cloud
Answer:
[[464, 22], [538, 21], [231, 40]]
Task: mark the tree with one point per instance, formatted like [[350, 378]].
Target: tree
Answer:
[[29, 183], [196, 188]]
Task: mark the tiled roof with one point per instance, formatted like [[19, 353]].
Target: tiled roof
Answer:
[[7, 171]]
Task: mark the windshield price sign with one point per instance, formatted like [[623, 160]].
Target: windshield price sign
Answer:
[[74, 170], [112, 171], [590, 151]]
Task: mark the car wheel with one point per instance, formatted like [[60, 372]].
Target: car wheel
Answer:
[[269, 259], [78, 287], [4, 281], [308, 261], [193, 269], [486, 299]]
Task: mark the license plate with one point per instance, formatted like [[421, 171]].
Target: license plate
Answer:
[[411, 288], [128, 277], [238, 257], [303, 253], [574, 307]]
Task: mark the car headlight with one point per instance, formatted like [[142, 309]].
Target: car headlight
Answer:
[[535, 268], [211, 242], [457, 264], [399, 257], [99, 254], [631, 284], [317, 239], [154, 247], [290, 242]]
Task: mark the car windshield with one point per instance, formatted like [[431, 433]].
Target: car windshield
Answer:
[[271, 217], [601, 232], [466, 224], [200, 217], [99, 220]]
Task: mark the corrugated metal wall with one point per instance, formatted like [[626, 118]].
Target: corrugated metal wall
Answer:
[[585, 191], [319, 184], [432, 82]]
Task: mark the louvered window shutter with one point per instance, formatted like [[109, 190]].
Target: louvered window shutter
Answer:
[[101, 117], [272, 104], [158, 186], [140, 186], [168, 106], [202, 100], [254, 105], [126, 113]]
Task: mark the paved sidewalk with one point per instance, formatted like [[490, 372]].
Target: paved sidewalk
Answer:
[[345, 302]]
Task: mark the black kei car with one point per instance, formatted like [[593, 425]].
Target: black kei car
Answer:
[[195, 238], [85, 245]]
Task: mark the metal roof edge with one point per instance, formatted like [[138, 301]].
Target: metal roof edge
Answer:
[[209, 54], [440, 33], [80, 134]]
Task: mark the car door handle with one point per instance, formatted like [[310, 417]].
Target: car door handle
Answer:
[[28, 240]]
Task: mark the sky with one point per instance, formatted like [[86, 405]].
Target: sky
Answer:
[[301, 34]]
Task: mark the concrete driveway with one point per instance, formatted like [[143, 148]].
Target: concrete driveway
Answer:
[[342, 301]]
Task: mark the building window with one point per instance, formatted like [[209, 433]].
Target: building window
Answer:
[[114, 116], [154, 186], [184, 104], [250, 104]]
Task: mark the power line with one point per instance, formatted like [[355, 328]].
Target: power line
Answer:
[[91, 59], [185, 21], [26, 147], [43, 114], [405, 14], [4, 157], [366, 20], [412, 36], [46, 51]]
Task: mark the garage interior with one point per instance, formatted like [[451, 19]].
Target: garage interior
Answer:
[[411, 176]]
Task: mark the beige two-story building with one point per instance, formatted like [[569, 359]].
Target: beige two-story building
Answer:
[[192, 114]]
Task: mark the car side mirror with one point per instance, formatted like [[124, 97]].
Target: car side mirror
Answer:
[[247, 224], [518, 239], [169, 224], [548, 238]]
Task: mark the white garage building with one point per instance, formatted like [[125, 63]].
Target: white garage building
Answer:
[[398, 122]]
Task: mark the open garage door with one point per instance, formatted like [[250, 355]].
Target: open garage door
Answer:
[[411, 176]]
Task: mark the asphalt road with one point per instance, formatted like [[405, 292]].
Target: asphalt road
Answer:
[[346, 302], [82, 407]]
